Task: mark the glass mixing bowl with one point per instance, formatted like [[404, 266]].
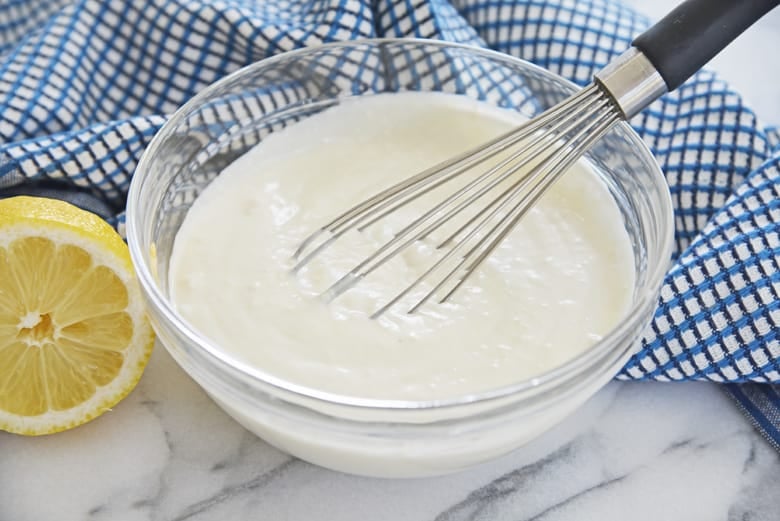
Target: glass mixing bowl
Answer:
[[379, 437]]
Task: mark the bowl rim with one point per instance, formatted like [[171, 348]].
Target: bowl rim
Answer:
[[231, 364]]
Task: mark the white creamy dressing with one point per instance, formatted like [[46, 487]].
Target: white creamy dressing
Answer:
[[561, 280]]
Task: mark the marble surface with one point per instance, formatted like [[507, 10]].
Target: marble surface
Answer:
[[638, 451]]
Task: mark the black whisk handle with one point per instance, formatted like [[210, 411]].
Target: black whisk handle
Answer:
[[694, 32]]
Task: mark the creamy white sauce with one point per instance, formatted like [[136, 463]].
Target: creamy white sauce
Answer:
[[561, 280]]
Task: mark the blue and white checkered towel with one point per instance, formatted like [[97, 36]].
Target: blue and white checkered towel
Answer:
[[84, 85]]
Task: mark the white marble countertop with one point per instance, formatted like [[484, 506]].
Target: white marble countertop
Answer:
[[638, 451]]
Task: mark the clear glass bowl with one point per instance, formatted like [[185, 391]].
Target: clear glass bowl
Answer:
[[379, 437]]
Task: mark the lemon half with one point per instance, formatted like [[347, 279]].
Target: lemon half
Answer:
[[74, 336]]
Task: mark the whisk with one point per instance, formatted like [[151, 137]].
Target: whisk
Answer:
[[532, 156]]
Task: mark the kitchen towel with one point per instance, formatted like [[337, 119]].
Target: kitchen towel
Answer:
[[84, 85]]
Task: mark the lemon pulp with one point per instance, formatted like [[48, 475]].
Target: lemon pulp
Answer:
[[74, 338]]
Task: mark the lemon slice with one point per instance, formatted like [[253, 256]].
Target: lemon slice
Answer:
[[74, 336]]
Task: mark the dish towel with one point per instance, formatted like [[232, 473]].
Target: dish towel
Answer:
[[84, 85]]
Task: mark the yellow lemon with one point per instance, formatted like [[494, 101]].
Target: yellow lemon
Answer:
[[74, 336]]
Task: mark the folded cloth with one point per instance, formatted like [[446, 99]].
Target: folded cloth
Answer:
[[84, 85]]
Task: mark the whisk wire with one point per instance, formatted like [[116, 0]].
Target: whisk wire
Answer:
[[547, 147], [493, 177], [357, 216], [484, 152], [527, 202], [406, 238], [542, 178], [543, 138]]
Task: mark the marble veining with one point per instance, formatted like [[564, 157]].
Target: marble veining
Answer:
[[638, 451]]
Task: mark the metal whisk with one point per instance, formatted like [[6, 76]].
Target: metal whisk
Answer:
[[532, 156]]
